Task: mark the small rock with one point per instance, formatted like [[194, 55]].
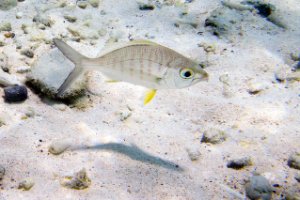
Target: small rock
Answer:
[[297, 177], [294, 161], [144, 6], [295, 56], [70, 18], [3, 63], [239, 163], [281, 75], [8, 79], [94, 3], [6, 26], [19, 15], [9, 35], [59, 146], [292, 193], [27, 52], [255, 88], [79, 181], [23, 69], [213, 136], [26, 184], [258, 187], [45, 20], [7, 4], [125, 114], [194, 154], [30, 112], [2, 172], [82, 4], [15, 93]]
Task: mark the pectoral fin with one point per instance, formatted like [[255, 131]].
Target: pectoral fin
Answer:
[[149, 96]]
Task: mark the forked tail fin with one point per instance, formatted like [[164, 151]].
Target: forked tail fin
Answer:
[[76, 58]]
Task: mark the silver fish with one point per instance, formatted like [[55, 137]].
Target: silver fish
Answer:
[[139, 62]]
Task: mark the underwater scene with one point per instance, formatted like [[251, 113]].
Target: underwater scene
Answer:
[[150, 99]]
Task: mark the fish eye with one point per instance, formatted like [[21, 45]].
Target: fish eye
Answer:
[[186, 73]]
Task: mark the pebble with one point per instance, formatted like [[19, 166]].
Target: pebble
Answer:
[[19, 15], [15, 93], [59, 146], [143, 6], [26, 184], [295, 56], [61, 107], [255, 88], [82, 4], [23, 69], [79, 181], [297, 177], [213, 136], [70, 18], [193, 153], [239, 163], [8, 79], [7, 4], [2, 172], [3, 63], [294, 161], [259, 187], [9, 35], [94, 3], [125, 114], [45, 20], [5, 26], [27, 52], [292, 193]]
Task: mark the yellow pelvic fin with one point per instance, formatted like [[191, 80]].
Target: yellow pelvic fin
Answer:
[[149, 96]]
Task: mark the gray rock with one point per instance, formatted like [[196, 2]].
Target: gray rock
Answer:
[[239, 163], [2, 172], [49, 73], [294, 161], [5, 26], [259, 187], [213, 136], [7, 4]]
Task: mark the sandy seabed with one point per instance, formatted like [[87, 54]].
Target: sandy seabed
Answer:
[[131, 151]]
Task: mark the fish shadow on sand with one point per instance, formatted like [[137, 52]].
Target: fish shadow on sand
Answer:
[[135, 153]]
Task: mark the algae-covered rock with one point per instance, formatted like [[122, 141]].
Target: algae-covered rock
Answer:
[[213, 136], [294, 161], [7, 4], [239, 163], [26, 184], [5, 26], [79, 181]]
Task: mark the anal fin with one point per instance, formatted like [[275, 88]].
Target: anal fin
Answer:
[[149, 96]]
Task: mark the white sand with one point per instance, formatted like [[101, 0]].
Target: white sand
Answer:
[[264, 126]]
